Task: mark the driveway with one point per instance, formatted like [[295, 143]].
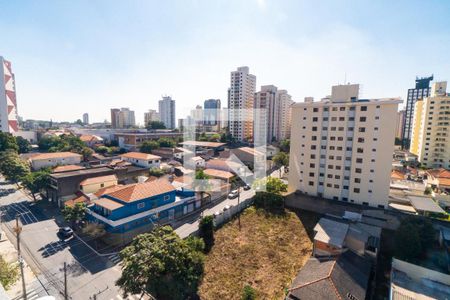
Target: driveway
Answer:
[[88, 274]]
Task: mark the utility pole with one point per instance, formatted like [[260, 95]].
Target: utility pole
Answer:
[[239, 213], [66, 297], [18, 230]]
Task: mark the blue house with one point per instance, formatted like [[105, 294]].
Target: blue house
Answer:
[[135, 208]]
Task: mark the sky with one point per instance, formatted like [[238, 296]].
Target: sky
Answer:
[[72, 57]]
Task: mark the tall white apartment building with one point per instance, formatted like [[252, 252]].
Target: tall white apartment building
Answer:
[[399, 124], [126, 118], [167, 112], [272, 114], [150, 116], [240, 104], [341, 147], [8, 102], [86, 118], [430, 139]]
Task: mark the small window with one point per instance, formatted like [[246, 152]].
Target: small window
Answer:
[[363, 108], [166, 197], [140, 205]]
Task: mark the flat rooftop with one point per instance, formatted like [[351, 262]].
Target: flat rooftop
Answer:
[[331, 232], [81, 172], [425, 204], [203, 144]]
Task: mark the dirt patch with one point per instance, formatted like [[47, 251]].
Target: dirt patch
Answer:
[[266, 254]]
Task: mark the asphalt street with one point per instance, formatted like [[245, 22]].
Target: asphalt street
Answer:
[[88, 274]]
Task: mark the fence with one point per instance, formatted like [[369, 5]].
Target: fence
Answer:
[[227, 215]]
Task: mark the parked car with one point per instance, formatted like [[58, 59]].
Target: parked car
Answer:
[[217, 213], [247, 187], [227, 207], [233, 194], [65, 232]]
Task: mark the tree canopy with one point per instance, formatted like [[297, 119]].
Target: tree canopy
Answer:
[[12, 167], [65, 142], [285, 145], [149, 146], [271, 199], [23, 145], [206, 231], [9, 273], [74, 214], [413, 237], [8, 142], [37, 181], [166, 142], [152, 125], [161, 264]]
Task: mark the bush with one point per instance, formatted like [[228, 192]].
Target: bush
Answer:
[[248, 293], [9, 273], [206, 231], [413, 238]]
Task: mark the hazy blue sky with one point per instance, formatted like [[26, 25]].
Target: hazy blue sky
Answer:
[[72, 57]]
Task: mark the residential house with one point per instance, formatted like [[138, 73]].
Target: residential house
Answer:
[[409, 281], [93, 184], [249, 156], [219, 174], [439, 178], [91, 140], [142, 159], [345, 277], [132, 209], [333, 236], [133, 140], [50, 160], [271, 151], [196, 162]]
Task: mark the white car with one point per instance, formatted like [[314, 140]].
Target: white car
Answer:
[[227, 207], [233, 194], [217, 213]]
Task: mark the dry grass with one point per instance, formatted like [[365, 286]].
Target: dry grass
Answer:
[[266, 254]]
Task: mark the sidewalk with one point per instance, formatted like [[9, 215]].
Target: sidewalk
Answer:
[[9, 254]]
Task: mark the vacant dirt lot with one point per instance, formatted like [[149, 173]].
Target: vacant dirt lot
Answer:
[[266, 254]]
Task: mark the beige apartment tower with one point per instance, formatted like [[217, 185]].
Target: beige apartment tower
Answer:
[[240, 104], [341, 147], [430, 137]]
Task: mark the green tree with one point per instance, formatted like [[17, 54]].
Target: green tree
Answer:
[[102, 150], [271, 198], [152, 125], [248, 293], [9, 273], [428, 191], [166, 142], [37, 181], [149, 146], [281, 159], [23, 144], [215, 137], [47, 142], [206, 231], [79, 122], [74, 214], [12, 167], [86, 152], [414, 236], [8, 142], [161, 264], [285, 145], [157, 172]]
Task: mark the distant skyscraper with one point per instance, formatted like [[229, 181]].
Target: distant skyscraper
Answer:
[[422, 90], [115, 117], [150, 116], [122, 118], [167, 112], [240, 103], [399, 124], [86, 118], [272, 113], [212, 112], [8, 101], [429, 136]]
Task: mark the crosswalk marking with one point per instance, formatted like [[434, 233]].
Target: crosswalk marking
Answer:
[[115, 258]]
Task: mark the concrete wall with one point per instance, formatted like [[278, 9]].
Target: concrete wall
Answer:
[[38, 164]]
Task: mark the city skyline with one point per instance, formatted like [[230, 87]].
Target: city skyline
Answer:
[[123, 63]]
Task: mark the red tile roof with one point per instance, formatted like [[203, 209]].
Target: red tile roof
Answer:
[[108, 203], [99, 179], [139, 155], [65, 168], [55, 155], [218, 173], [138, 191], [109, 189], [439, 173], [80, 199], [395, 174]]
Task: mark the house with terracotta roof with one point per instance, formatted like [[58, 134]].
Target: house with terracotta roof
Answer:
[[50, 160], [142, 159], [344, 277], [219, 174], [93, 184], [67, 168], [91, 140], [135, 208], [439, 178]]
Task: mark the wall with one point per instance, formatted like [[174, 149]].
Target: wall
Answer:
[[92, 188], [45, 163]]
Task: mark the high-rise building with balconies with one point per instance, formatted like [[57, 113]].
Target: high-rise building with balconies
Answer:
[[241, 96], [430, 136], [167, 112], [8, 102], [341, 147]]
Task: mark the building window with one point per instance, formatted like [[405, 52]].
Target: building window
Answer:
[[362, 119], [140, 205], [166, 197], [358, 170], [315, 109], [311, 183], [363, 108], [359, 160], [356, 190], [362, 129]]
